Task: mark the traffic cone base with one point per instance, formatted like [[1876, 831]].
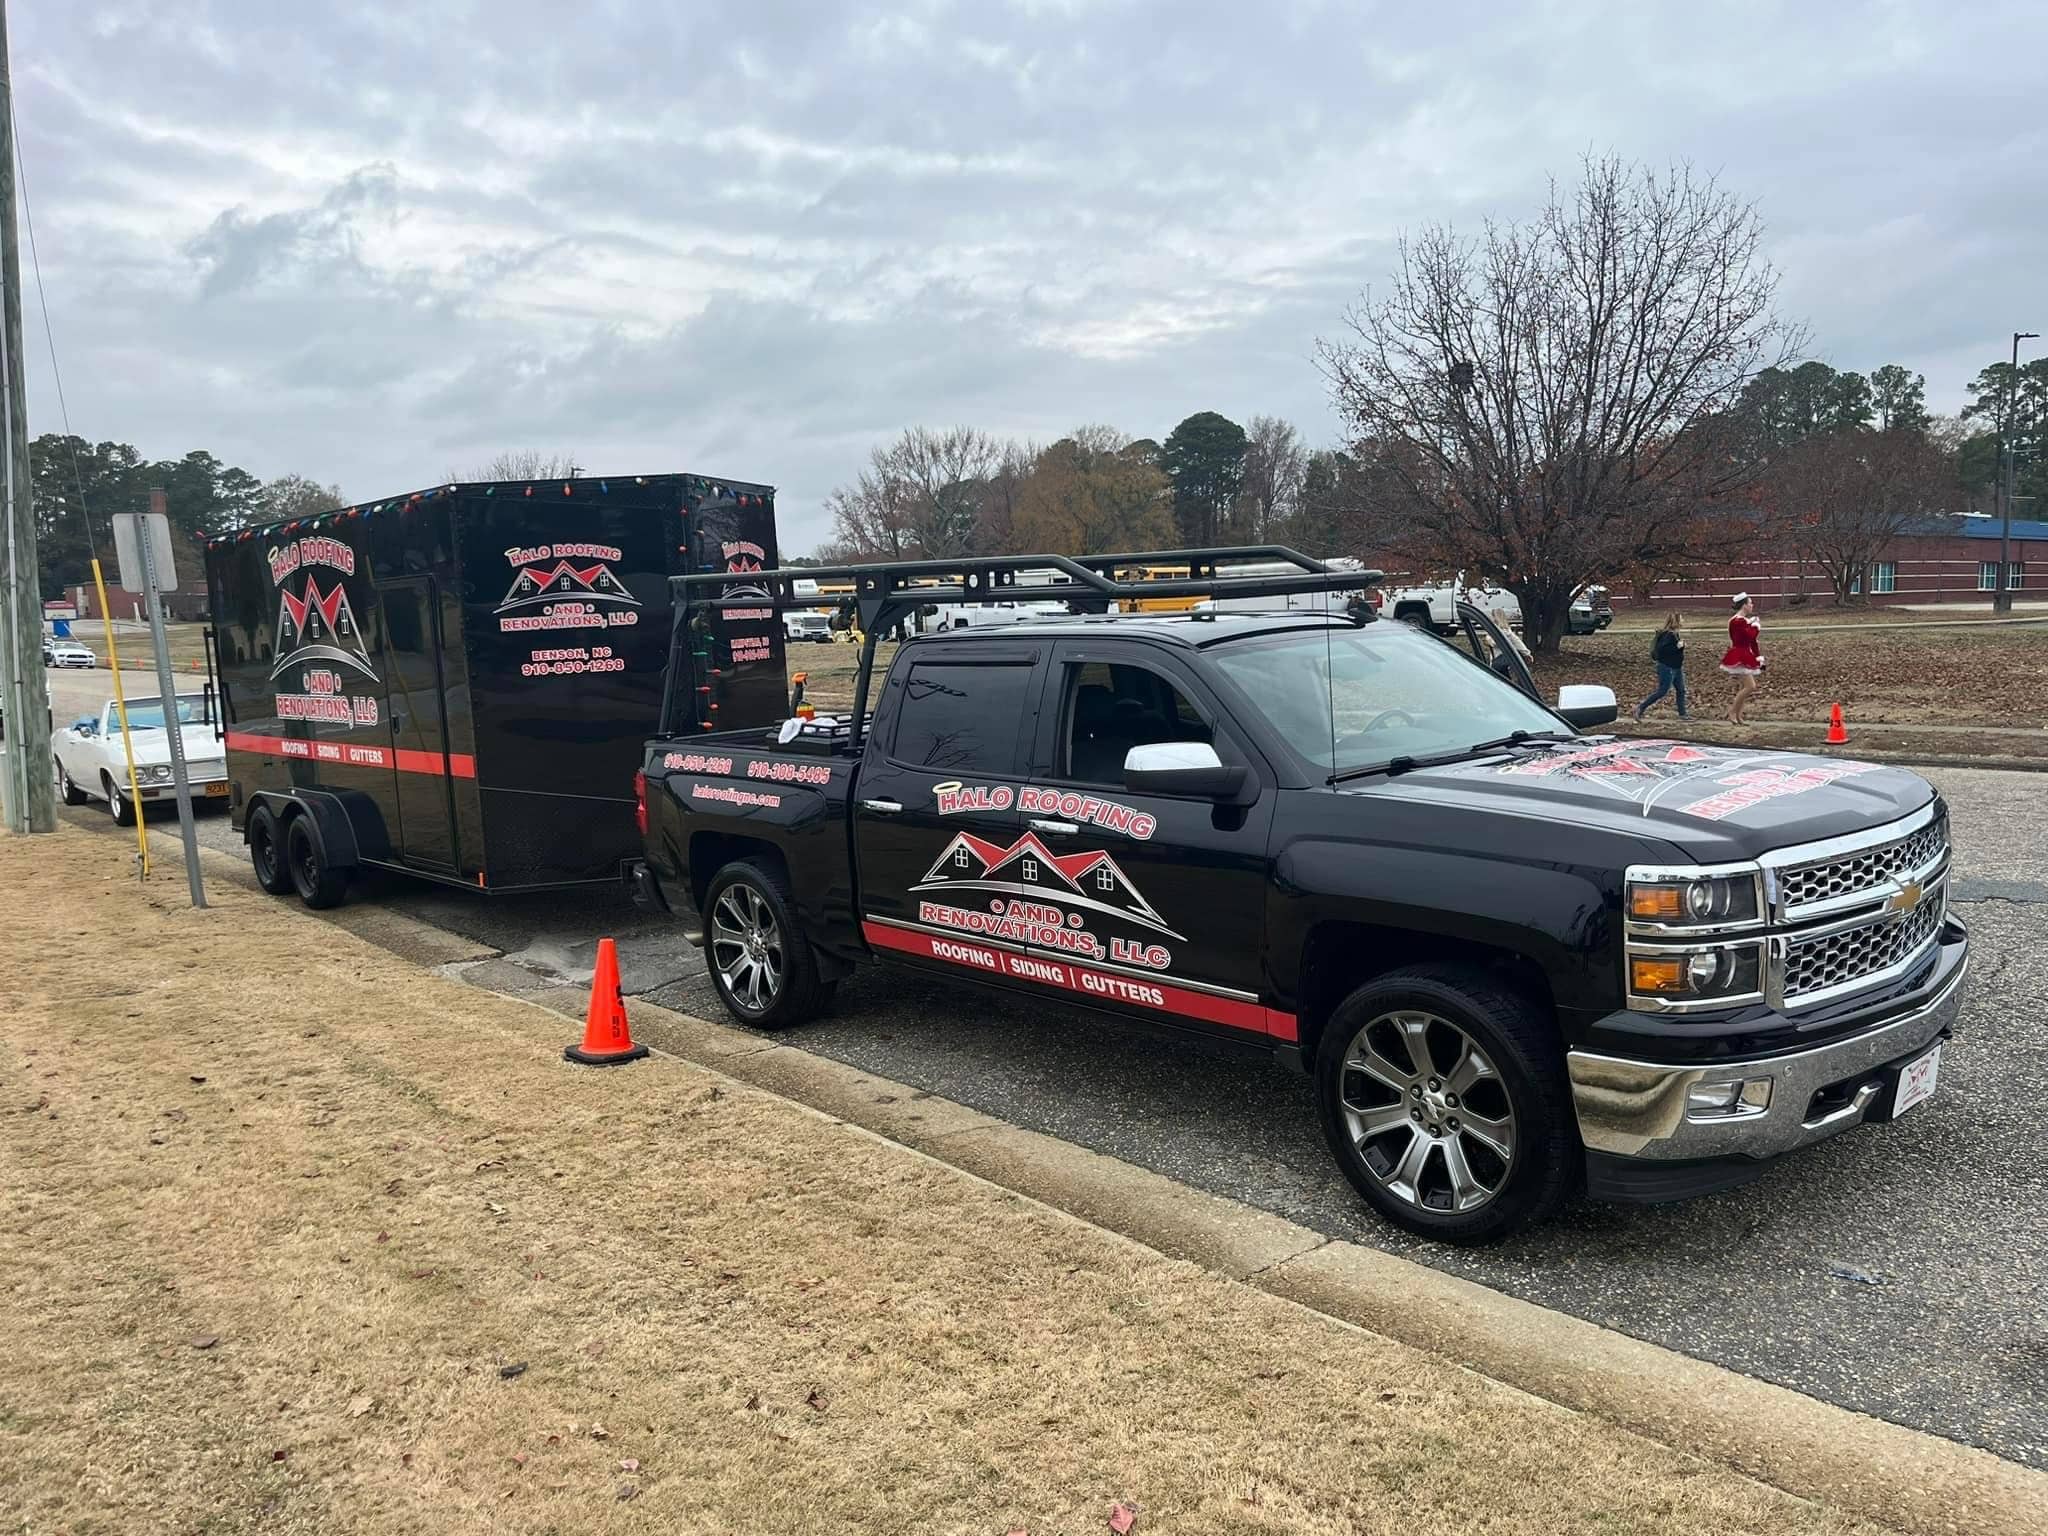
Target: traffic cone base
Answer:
[[607, 1040], [1838, 733]]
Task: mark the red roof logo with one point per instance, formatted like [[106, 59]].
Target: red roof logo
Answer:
[[319, 626], [565, 578], [1027, 867]]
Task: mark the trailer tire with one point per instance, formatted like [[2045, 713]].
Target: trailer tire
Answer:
[[267, 852], [761, 965], [1496, 1054], [319, 884]]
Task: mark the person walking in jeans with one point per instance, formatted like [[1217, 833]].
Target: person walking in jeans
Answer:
[[1668, 651]]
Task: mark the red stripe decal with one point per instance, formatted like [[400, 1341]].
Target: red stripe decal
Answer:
[[458, 764], [1098, 985]]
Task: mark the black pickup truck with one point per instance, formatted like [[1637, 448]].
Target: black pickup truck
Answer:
[[1518, 961]]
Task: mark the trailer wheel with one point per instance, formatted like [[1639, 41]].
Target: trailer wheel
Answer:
[[267, 851], [1444, 1099], [319, 884], [760, 962]]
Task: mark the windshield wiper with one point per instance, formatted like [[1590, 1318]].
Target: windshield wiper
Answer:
[[1515, 739], [1393, 767]]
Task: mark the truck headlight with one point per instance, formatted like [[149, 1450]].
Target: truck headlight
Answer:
[[1676, 976], [1695, 901]]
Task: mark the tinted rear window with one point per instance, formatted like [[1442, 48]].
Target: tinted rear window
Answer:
[[962, 718]]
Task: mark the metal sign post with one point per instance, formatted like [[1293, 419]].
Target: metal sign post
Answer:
[[142, 542]]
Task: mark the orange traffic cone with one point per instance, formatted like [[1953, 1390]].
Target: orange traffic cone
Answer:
[[607, 1041], [1838, 733]]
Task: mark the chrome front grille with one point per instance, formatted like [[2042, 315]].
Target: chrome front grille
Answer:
[[1841, 958], [1807, 889]]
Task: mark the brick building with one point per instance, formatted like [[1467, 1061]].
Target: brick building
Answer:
[[187, 601], [1954, 560]]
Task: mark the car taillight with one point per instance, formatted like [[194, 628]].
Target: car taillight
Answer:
[[640, 802]]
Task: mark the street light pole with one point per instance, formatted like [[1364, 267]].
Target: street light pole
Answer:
[[2001, 586]]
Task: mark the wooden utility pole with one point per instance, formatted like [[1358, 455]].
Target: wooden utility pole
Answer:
[[28, 792]]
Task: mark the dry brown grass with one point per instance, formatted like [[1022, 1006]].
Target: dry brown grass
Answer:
[[372, 1189], [1994, 675]]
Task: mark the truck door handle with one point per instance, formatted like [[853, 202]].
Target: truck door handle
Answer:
[[1063, 828], [882, 807]]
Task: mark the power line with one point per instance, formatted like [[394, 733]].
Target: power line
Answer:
[[49, 332]]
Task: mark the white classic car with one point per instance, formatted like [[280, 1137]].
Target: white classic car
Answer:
[[92, 766]]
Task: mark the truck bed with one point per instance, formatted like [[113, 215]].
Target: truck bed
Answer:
[[728, 795]]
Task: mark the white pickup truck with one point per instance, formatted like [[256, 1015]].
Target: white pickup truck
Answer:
[[91, 765], [807, 624], [1434, 605]]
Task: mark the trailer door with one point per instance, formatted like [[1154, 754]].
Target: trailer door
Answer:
[[418, 708]]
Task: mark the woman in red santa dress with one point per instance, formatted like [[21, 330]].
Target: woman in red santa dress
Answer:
[[1744, 660]]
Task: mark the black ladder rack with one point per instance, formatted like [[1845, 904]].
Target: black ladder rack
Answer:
[[890, 589]]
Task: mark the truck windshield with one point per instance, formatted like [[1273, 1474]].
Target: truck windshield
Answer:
[[1347, 699]]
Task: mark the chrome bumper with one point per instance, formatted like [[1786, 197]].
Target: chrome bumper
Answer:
[[1639, 1109]]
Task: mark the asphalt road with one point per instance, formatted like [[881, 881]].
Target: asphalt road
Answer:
[[1898, 1271]]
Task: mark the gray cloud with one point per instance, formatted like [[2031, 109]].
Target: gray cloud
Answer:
[[754, 238]]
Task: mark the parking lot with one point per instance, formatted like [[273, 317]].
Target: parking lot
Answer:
[[1899, 1273]]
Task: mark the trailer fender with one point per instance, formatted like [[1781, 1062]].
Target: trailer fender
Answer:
[[327, 815]]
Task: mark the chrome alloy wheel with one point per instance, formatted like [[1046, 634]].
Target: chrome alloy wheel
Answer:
[[1428, 1112], [746, 947]]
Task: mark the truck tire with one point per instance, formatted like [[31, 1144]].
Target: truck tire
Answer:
[[119, 806], [1414, 613], [70, 792], [267, 852], [1444, 1099], [760, 962], [319, 884]]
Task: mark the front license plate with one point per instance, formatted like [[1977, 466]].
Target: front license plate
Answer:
[[1916, 1081], [217, 791]]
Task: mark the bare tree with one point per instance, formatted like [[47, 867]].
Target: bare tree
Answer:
[[1841, 498], [867, 522], [995, 531], [295, 496], [523, 464], [1557, 395], [919, 495], [1275, 462]]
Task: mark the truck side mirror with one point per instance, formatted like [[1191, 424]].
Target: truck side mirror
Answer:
[[1182, 768], [1587, 704]]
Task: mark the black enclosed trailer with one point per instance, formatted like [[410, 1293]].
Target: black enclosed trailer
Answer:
[[457, 683]]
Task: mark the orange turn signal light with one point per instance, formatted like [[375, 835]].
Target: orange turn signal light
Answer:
[[1653, 975], [1655, 903]]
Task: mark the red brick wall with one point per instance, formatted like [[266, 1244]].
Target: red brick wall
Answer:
[[1942, 569]]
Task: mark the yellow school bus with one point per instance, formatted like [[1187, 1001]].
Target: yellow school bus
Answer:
[[1155, 604]]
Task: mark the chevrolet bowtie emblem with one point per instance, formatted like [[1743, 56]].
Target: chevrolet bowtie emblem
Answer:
[[1905, 901]]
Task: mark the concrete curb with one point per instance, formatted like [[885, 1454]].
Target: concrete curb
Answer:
[[1901, 1478]]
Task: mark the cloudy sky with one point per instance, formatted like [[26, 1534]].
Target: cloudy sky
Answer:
[[373, 242]]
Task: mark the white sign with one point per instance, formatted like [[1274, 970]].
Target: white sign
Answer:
[[130, 529]]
